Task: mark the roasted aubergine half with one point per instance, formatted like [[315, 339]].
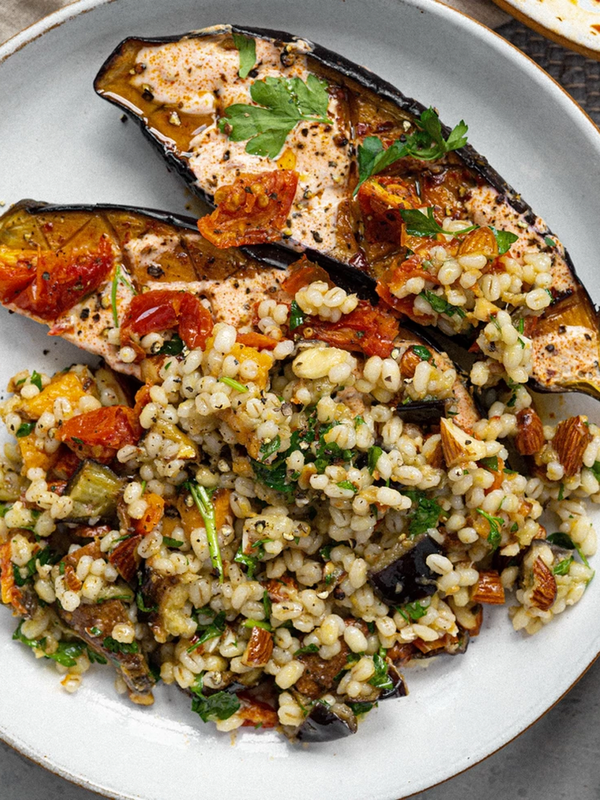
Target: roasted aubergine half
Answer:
[[296, 146], [104, 277]]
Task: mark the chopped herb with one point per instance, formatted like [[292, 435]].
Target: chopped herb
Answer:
[[201, 497], [281, 103], [95, 658], [381, 679], [419, 224], [359, 421], [95, 631], [66, 653], [514, 527], [221, 705], [441, 306], [268, 449], [210, 631], [296, 316], [562, 568], [247, 50], [347, 485], [373, 457], [171, 542], [426, 514], [113, 646], [36, 379], [520, 326], [360, 708], [267, 605], [504, 239], [564, 540], [494, 536], [325, 552], [490, 462], [239, 387], [423, 353], [550, 242], [25, 429], [141, 604], [426, 144], [172, 347], [561, 491], [113, 296], [596, 470], [250, 562], [76, 439], [414, 611], [309, 648], [257, 623]]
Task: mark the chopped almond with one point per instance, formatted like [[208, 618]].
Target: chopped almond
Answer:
[[570, 440], [259, 648], [530, 432], [489, 589]]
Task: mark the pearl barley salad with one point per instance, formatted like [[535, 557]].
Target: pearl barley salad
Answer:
[[269, 493], [280, 527]]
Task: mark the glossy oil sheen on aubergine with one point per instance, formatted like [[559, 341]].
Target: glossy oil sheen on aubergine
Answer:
[[178, 88]]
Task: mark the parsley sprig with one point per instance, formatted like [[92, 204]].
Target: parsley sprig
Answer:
[[247, 50], [496, 523], [426, 144], [220, 705], [419, 224], [281, 103]]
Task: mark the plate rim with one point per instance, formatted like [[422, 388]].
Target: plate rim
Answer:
[[76, 8], [549, 33]]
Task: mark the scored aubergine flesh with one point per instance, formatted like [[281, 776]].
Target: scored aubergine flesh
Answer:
[[154, 251], [177, 88]]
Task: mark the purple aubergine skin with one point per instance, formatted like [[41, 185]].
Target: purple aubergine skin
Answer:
[[408, 578], [341, 273], [323, 725]]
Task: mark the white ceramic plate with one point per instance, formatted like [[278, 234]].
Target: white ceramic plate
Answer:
[[572, 23], [63, 144]]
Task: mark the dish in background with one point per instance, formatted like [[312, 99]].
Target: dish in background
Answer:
[[572, 23], [462, 709]]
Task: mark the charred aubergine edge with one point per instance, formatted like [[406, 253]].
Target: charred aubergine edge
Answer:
[[553, 370]]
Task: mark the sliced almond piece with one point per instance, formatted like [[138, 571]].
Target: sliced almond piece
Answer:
[[543, 592], [489, 589], [459, 446], [570, 440], [259, 649], [530, 432]]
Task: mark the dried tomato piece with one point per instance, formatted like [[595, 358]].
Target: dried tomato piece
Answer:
[[380, 201], [9, 591], [368, 330], [257, 340], [252, 210], [99, 434], [152, 515], [302, 273], [395, 278], [46, 284], [163, 310]]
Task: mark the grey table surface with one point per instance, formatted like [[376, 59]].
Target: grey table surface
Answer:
[[557, 758]]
